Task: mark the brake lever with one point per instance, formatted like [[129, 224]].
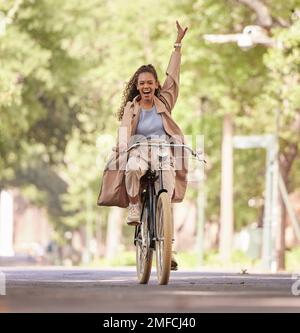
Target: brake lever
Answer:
[[198, 158]]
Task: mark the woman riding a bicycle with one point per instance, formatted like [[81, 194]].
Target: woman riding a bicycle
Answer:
[[145, 115]]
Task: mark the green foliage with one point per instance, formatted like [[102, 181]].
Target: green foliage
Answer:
[[126, 258], [292, 259], [239, 261]]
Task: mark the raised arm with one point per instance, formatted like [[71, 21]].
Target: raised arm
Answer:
[[170, 87]]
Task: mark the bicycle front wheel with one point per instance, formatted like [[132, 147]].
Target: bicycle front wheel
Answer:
[[163, 244], [143, 251]]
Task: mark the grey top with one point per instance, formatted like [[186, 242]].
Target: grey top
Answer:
[[150, 125]]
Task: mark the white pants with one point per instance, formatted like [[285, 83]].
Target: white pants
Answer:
[[137, 165]]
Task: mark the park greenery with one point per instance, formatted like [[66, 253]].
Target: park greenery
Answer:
[[64, 65]]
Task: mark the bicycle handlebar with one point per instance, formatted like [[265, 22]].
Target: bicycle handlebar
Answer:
[[156, 144]]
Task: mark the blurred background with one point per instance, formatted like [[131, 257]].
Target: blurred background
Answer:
[[63, 68]]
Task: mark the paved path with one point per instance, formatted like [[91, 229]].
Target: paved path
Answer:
[[117, 290]]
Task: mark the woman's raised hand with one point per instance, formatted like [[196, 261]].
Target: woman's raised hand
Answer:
[[180, 32]]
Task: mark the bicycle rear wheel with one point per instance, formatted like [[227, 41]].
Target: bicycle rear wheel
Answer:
[[163, 246], [143, 251]]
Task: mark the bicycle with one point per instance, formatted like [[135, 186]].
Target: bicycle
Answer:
[[154, 233]]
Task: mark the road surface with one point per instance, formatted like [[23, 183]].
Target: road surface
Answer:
[[116, 290]]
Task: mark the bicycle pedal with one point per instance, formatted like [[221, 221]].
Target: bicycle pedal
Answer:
[[174, 266], [174, 263]]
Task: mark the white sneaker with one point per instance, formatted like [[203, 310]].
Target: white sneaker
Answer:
[[133, 217]]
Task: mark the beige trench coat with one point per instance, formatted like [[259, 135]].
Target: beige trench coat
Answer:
[[113, 191]]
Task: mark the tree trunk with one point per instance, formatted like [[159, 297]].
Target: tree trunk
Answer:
[[281, 237], [226, 227], [286, 161]]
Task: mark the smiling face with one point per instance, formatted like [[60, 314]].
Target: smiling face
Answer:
[[146, 85]]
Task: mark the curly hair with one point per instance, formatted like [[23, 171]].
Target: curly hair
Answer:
[[130, 91]]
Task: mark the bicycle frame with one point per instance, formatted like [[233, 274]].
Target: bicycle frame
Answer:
[[149, 199], [154, 233]]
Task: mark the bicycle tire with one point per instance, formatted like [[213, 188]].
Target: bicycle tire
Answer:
[[144, 253], [163, 246]]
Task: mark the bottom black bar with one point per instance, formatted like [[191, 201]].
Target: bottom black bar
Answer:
[[132, 322]]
